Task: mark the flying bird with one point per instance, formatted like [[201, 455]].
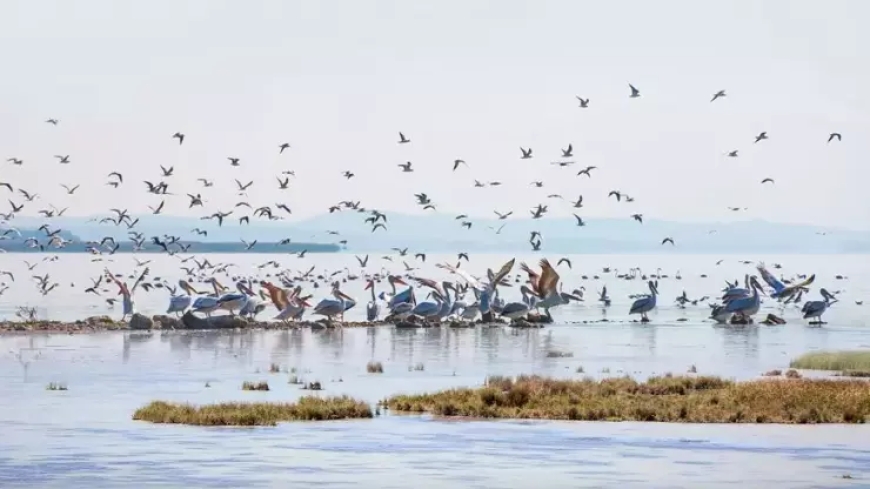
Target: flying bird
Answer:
[[179, 137], [584, 103], [720, 93], [456, 164], [403, 139], [635, 93], [668, 240], [767, 180], [761, 136], [835, 135]]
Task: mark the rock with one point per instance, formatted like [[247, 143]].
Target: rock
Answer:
[[139, 322], [162, 321], [191, 321]]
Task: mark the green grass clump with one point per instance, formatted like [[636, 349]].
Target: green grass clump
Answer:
[[833, 360], [687, 399], [254, 414], [375, 368], [255, 386]]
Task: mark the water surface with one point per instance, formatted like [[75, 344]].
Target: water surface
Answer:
[[85, 437]]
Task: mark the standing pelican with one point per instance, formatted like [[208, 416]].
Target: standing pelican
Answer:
[[372, 308], [748, 306], [331, 308], [815, 309], [127, 293], [645, 304]]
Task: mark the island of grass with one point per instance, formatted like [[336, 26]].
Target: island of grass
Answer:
[[690, 399], [254, 414], [850, 363]]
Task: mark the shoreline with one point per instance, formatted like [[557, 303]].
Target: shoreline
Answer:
[[191, 322]]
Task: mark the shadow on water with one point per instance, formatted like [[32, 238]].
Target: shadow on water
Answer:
[[85, 435]]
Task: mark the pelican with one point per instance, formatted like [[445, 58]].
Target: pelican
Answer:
[[780, 291], [331, 308], [815, 309], [253, 305], [232, 301], [645, 304], [178, 304], [372, 308], [428, 309], [746, 306], [205, 304], [602, 297]]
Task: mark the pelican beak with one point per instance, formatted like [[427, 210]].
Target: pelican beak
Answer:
[[369, 285], [399, 280], [305, 303]]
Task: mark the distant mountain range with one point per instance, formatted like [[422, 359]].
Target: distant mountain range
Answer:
[[443, 233]]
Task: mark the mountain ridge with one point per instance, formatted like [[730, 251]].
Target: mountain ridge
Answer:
[[437, 232]]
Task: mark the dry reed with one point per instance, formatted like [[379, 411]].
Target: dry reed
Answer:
[[254, 414], [688, 399]]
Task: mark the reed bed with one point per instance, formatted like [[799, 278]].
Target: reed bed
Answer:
[[686, 399], [254, 414], [255, 386], [833, 360]]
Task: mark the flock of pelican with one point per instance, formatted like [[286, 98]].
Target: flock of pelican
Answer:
[[463, 297]]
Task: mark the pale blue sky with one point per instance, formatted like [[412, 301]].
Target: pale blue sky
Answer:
[[463, 79]]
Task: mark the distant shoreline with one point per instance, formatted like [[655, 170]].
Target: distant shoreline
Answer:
[[195, 247]]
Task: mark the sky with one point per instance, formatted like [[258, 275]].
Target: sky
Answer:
[[466, 79]]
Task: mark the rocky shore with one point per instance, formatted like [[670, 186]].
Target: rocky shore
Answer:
[[189, 321]]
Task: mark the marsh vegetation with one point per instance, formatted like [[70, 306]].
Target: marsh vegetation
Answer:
[[254, 414], [688, 399]]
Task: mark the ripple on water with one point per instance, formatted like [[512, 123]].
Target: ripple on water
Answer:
[[84, 435]]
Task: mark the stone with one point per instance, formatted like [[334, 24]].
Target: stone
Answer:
[[140, 322]]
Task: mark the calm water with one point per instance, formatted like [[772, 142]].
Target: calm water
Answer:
[[84, 437]]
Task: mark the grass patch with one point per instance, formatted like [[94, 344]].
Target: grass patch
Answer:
[[255, 386], [55, 386], [854, 373], [254, 414], [687, 399], [833, 360], [375, 368]]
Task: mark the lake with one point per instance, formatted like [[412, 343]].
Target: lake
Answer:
[[85, 436]]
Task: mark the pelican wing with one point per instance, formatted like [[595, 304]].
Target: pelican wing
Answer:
[[534, 278], [549, 277], [770, 279], [429, 283], [801, 285], [462, 273], [505, 269]]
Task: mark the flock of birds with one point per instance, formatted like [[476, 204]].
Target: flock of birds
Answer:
[[463, 296]]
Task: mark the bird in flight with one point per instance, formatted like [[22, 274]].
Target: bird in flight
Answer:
[[720, 93], [668, 240], [835, 135], [761, 136], [456, 164], [282, 147], [527, 153], [179, 137], [403, 139], [584, 103], [767, 180], [635, 93]]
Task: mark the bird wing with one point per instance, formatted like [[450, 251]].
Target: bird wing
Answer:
[[534, 278], [549, 277], [499, 276], [462, 273], [769, 278]]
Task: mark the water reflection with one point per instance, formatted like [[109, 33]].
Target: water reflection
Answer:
[[86, 433]]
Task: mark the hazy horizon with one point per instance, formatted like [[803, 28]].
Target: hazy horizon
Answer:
[[471, 80]]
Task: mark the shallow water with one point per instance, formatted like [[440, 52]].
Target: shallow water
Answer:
[[85, 437]]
